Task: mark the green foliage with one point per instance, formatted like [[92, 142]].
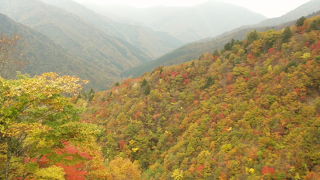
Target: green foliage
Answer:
[[145, 87], [286, 35], [315, 25], [209, 83], [252, 36], [300, 21], [229, 45]]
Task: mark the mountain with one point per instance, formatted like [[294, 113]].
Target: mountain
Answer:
[[153, 43], [194, 50], [110, 54], [250, 111], [195, 23], [38, 54], [308, 8]]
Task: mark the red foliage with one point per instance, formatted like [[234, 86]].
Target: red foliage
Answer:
[[156, 116], [174, 74], [186, 81], [138, 114], [221, 116], [43, 161], [316, 47], [230, 88], [307, 44], [268, 170], [70, 158], [122, 144], [200, 168], [229, 77], [74, 172], [225, 106], [162, 75], [185, 75], [251, 56], [272, 50], [300, 29], [72, 150], [30, 160], [253, 74]]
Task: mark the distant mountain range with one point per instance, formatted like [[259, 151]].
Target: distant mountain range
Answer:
[[152, 43], [39, 54], [303, 10], [187, 23], [104, 47], [66, 37], [194, 50]]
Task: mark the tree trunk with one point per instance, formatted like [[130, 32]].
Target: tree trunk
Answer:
[[8, 163]]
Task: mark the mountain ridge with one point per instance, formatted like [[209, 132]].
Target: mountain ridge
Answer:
[[194, 50], [136, 35], [39, 54], [195, 22]]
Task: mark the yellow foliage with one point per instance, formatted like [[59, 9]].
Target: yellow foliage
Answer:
[[306, 55], [123, 169], [50, 173], [177, 174]]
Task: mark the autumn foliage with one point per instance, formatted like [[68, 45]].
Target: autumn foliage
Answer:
[[250, 111]]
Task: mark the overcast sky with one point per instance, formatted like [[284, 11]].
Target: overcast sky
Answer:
[[269, 8]]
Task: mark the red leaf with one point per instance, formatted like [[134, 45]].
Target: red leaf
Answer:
[[268, 170]]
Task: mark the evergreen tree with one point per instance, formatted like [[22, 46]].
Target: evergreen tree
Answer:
[[300, 21], [286, 35]]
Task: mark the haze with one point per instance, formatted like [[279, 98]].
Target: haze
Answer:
[[270, 8]]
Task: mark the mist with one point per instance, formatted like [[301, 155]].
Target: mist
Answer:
[[269, 8]]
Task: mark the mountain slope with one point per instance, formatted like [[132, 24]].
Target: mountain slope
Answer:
[[111, 55], [194, 50], [195, 23], [39, 54], [308, 8], [150, 42], [251, 111]]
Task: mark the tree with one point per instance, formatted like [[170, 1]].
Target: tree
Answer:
[[145, 87], [209, 83], [37, 116], [315, 25], [300, 21], [286, 35], [123, 169], [252, 36], [229, 45]]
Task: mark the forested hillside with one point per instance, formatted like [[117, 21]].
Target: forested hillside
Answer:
[[107, 55], [34, 53], [41, 134], [152, 43], [193, 50], [250, 111]]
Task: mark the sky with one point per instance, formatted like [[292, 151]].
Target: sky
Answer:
[[269, 8]]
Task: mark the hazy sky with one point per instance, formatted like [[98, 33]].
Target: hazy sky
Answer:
[[269, 8]]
